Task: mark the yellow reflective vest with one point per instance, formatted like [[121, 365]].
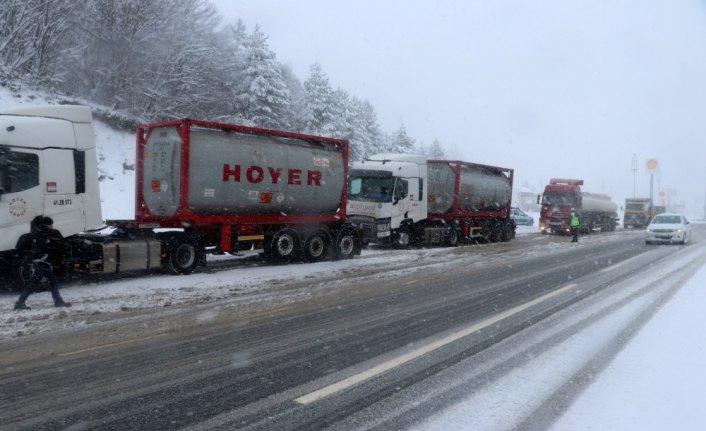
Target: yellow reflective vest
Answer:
[[574, 220]]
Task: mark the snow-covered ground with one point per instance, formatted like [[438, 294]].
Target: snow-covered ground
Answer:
[[657, 382]]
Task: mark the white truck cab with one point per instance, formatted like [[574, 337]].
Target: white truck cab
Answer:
[[47, 166], [387, 195]]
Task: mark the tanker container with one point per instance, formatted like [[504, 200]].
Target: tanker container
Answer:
[[473, 199], [240, 176], [477, 188], [591, 202]]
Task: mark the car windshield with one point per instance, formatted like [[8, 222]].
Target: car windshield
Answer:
[[352, 215], [667, 219]]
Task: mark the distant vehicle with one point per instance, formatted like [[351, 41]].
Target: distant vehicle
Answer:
[[561, 196], [521, 217], [639, 212], [668, 228]]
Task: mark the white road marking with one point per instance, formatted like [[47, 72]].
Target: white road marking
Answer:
[[388, 365], [617, 265]]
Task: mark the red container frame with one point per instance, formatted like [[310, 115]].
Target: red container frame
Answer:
[[184, 217]]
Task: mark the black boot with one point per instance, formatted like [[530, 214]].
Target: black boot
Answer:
[[21, 306], [61, 303]]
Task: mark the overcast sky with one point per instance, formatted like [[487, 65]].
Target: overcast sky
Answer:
[[563, 88]]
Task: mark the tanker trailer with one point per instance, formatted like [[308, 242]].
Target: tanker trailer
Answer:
[[201, 187], [596, 211], [404, 200], [475, 199]]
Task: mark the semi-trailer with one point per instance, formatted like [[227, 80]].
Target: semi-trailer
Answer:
[[561, 196], [201, 187], [403, 200]]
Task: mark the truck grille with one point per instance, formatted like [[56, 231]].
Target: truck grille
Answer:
[[367, 225]]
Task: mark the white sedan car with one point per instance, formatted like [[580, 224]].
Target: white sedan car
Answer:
[[668, 228]]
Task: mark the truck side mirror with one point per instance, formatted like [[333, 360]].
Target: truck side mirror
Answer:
[[539, 197]]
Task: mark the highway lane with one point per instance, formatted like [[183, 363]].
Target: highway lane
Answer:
[[238, 374]]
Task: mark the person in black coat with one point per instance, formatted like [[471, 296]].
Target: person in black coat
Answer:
[[37, 247]]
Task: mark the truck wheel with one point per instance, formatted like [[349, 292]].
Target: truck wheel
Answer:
[[346, 244], [183, 257], [402, 238], [317, 247], [452, 239], [285, 245], [496, 234], [508, 232]]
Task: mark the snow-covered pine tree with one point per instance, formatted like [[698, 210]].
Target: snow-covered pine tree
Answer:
[[264, 96], [436, 151], [401, 142], [319, 103]]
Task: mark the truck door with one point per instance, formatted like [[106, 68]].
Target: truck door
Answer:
[[59, 184], [21, 197], [416, 198], [400, 202]]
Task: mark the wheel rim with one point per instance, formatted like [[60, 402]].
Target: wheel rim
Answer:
[[285, 245], [315, 247], [346, 245], [185, 255]]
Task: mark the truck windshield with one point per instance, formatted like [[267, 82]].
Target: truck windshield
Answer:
[[369, 188], [558, 198], [636, 207]]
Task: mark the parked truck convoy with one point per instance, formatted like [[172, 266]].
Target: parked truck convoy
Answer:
[[407, 200], [201, 187], [596, 211], [639, 212]]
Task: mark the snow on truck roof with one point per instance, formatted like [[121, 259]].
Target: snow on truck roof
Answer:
[[72, 113]]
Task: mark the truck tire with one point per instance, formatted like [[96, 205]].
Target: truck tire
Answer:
[[183, 257], [347, 244], [402, 238], [508, 232], [496, 234], [285, 245], [317, 246], [452, 239]]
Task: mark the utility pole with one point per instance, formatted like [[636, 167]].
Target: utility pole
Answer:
[[634, 171], [651, 166]]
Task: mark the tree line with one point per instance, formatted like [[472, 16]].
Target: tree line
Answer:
[[156, 59]]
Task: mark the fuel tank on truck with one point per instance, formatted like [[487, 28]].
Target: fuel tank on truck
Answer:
[[480, 188], [232, 172], [591, 202]]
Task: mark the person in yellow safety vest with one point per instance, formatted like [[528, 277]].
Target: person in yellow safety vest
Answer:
[[575, 223]]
